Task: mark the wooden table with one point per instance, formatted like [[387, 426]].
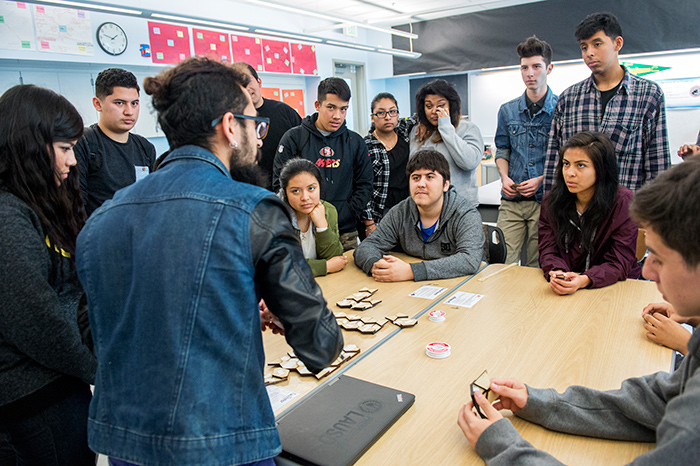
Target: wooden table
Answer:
[[518, 329], [337, 286]]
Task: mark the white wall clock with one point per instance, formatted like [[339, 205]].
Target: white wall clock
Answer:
[[112, 38]]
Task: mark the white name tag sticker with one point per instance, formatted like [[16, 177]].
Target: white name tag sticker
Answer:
[[141, 172]]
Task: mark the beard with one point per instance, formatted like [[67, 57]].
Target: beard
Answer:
[[244, 165], [249, 173]]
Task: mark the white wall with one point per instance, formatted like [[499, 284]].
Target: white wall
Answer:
[[73, 75], [489, 89]]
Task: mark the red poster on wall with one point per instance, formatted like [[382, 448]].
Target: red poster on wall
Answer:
[[276, 56], [295, 99], [304, 59], [247, 49], [169, 43], [272, 93], [212, 44]]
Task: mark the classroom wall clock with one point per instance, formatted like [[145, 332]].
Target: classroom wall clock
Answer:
[[112, 38]]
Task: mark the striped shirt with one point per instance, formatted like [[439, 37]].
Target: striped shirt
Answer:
[[380, 167], [635, 120]]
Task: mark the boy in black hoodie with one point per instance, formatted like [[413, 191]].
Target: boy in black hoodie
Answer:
[[341, 154]]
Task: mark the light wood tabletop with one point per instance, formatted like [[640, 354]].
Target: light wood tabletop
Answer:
[[518, 329], [395, 298]]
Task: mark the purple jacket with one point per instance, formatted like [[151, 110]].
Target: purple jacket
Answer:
[[615, 246]]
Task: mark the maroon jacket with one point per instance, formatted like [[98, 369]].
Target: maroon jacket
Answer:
[[614, 248]]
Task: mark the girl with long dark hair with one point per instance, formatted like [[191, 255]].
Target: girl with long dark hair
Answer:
[[314, 220], [586, 236], [441, 128], [46, 365]]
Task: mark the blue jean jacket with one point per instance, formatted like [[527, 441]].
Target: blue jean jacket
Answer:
[[179, 379], [523, 140]]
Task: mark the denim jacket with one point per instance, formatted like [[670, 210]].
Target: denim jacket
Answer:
[[523, 140], [174, 267]]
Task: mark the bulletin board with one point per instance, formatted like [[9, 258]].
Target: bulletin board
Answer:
[[304, 59], [247, 49], [276, 56], [169, 43], [212, 44], [295, 99], [272, 93]]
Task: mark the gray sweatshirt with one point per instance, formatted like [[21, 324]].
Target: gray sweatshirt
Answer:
[[662, 408], [454, 249], [40, 338], [463, 147]]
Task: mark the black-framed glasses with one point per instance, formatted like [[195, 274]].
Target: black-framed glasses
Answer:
[[482, 384], [383, 114], [262, 124]]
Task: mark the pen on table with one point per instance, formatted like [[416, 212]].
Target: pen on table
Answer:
[[497, 272]]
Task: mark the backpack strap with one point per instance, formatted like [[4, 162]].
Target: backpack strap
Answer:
[[145, 149], [93, 147]]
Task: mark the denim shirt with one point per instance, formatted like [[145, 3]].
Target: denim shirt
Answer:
[[173, 303], [523, 140]]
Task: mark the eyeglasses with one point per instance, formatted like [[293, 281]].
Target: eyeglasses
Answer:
[[262, 124], [482, 384], [382, 114]]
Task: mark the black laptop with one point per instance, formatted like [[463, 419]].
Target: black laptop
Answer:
[[339, 422]]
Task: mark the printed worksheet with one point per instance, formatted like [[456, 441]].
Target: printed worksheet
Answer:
[[463, 299], [428, 292]]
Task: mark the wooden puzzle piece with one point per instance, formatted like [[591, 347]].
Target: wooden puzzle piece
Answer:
[[324, 372], [405, 323], [371, 291], [351, 325], [370, 328], [381, 322], [271, 379], [360, 296], [362, 306], [291, 364], [281, 373]]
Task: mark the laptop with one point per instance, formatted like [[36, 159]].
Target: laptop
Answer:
[[338, 422]]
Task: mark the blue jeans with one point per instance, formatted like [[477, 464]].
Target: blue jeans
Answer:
[[55, 436]]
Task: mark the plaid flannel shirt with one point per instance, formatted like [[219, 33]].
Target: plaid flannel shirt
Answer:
[[380, 166], [635, 120]]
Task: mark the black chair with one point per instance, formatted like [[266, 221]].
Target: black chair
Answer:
[[495, 245]]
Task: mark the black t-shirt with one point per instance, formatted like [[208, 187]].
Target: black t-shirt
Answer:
[[605, 96], [398, 179], [107, 166], [282, 117]]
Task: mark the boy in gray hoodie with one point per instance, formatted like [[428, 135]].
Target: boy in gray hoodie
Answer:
[[435, 224], [662, 407]]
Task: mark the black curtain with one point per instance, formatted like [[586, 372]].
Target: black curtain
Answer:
[[488, 39]]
